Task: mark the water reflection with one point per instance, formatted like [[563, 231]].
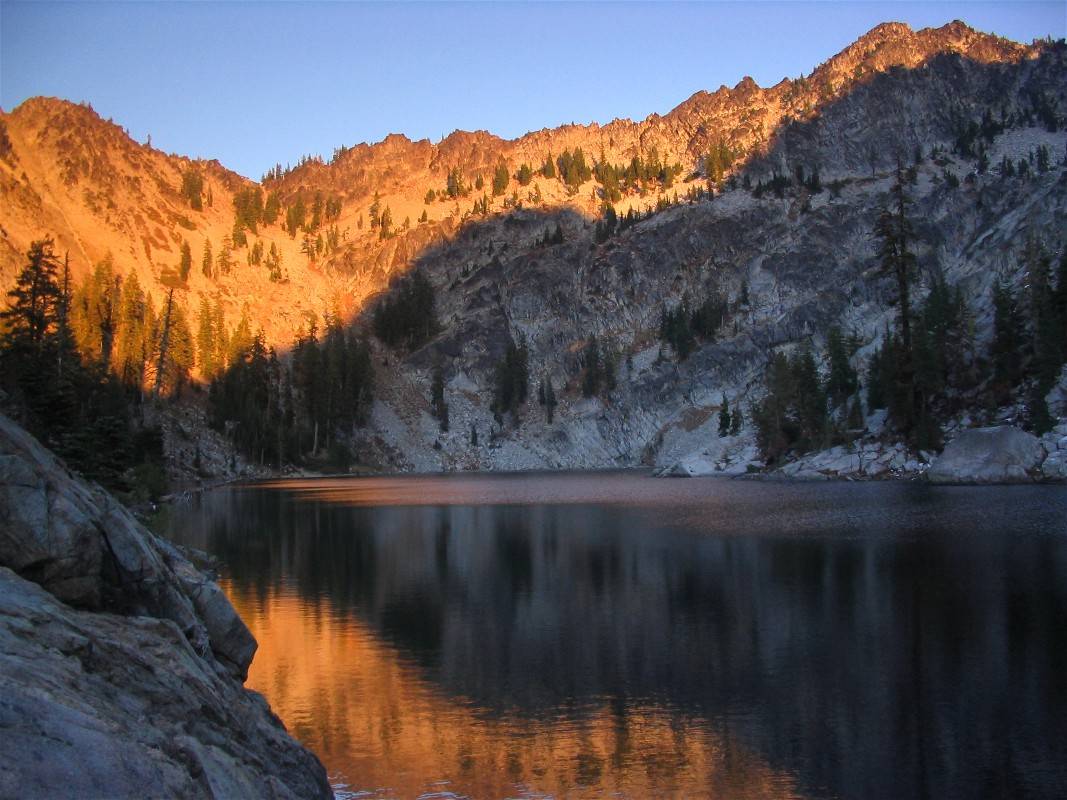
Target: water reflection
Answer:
[[370, 713], [657, 638]]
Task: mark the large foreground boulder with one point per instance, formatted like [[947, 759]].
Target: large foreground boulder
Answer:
[[1002, 454], [97, 705], [121, 664], [84, 547]]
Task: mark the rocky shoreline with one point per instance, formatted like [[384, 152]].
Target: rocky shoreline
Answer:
[[990, 455], [121, 664]]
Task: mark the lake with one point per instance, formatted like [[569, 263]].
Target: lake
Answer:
[[614, 635]]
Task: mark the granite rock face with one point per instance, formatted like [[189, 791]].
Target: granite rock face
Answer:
[[1002, 454], [121, 664]]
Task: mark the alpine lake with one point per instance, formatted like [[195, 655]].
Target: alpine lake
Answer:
[[609, 634]]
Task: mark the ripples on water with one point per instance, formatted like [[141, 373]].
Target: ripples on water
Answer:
[[600, 635]]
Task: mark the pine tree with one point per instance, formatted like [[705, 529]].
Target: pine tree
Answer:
[[193, 188], [237, 235], [47, 387], [1037, 410], [500, 178], [359, 380], [842, 380], [385, 224], [737, 419], [164, 344], [1060, 295], [30, 354], [548, 393], [1049, 343], [224, 260], [185, 264], [775, 428], [437, 398], [130, 356], [792, 415], [511, 380], [454, 187], [407, 314], [271, 208], [241, 340], [94, 311], [207, 262], [724, 417], [854, 421], [894, 231], [205, 341], [182, 355], [676, 327], [220, 336], [33, 300], [591, 381], [1007, 341], [296, 216], [811, 400]]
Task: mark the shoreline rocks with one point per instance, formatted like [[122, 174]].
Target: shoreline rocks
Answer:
[[999, 454], [121, 664], [993, 455]]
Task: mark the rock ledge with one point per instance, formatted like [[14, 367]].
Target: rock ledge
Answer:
[[121, 664]]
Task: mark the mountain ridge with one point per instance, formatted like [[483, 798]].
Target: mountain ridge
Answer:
[[745, 208], [85, 145]]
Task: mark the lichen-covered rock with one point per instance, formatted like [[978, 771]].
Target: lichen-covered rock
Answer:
[[1002, 454], [121, 664]]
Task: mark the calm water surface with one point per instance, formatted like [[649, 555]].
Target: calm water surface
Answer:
[[614, 635]]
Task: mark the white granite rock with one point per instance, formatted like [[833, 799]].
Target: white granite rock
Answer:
[[1003, 454]]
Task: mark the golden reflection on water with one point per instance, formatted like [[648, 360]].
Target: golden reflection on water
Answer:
[[382, 729], [604, 488]]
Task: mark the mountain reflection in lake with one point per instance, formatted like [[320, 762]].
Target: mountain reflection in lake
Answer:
[[593, 635]]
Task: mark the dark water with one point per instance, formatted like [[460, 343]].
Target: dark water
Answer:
[[593, 635]]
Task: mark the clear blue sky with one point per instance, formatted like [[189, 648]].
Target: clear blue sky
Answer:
[[254, 83]]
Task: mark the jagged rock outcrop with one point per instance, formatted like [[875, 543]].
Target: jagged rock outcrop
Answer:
[[121, 664], [1002, 454]]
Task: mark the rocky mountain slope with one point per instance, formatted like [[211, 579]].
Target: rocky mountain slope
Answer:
[[121, 664], [806, 256], [808, 263], [807, 259], [66, 172]]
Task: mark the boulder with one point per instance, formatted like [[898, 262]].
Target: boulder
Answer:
[[121, 664], [85, 547], [97, 705], [691, 467], [1002, 454], [875, 469], [1054, 468], [727, 458]]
